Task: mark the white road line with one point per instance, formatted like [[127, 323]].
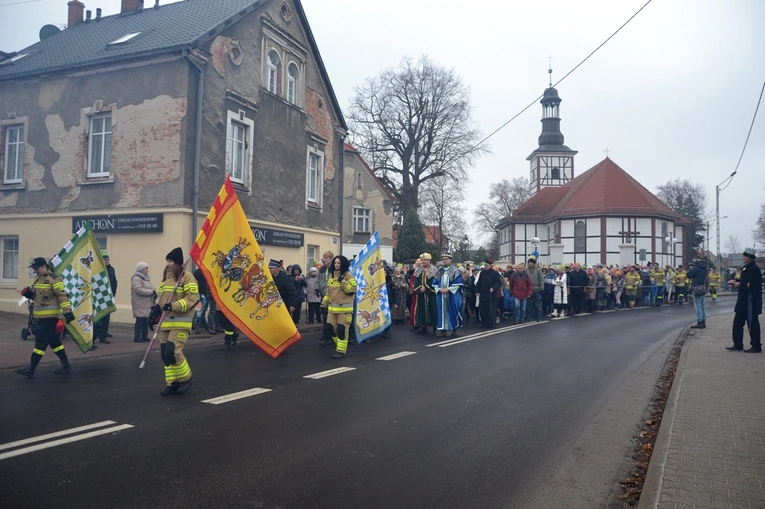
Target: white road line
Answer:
[[477, 335], [560, 318], [11, 445], [331, 372], [395, 356], [236, 395], [39, 447], [492, 333]]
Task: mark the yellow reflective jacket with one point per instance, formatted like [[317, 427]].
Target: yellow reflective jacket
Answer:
[[341, 292], [51, 299], [681, 279], [632, 280], [714, 279], [658, 277], [183, 300]]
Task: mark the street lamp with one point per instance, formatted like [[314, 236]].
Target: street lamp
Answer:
[[671, 240]]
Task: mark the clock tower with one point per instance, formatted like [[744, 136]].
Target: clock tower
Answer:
[[552, 164]]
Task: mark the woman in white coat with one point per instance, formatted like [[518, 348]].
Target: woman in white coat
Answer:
[[560, 297]]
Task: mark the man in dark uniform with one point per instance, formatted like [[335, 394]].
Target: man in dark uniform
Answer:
[[284, 284], [488, 283], [748, 305]]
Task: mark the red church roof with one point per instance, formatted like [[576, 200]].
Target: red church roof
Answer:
[[603, 190]]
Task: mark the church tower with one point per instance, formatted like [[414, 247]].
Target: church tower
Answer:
[[552, 164]]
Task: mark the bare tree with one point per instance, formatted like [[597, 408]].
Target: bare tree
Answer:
[[733, 244], [690, 200], [414, 124], [505, 197], [759, 231], [441, 211]]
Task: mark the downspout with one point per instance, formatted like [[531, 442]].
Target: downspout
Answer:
[[342, 190], [197, 145]]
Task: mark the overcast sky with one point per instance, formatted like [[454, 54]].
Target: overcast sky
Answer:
[[671, 96]]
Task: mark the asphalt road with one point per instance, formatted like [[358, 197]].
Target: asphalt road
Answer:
[[535, 417]]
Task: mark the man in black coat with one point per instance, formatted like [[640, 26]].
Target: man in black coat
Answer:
[[748, 305], [488, 284], [577, 280], [285, 285]]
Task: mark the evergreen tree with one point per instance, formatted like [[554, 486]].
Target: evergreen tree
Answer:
[[411, 238]]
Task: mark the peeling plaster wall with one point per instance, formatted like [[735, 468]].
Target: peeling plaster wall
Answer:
[[149, 159], [281, 132]]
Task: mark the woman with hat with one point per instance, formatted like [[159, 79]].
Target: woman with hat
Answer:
[[748, 305], [50, 302], [178, 294], [141, 300]]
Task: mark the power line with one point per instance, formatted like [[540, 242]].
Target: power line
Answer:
[[23, 2], [747, 136], [532, 103]]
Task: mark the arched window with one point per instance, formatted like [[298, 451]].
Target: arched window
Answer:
[[292, 81], [664, 233], [580, 237], [273, 72]]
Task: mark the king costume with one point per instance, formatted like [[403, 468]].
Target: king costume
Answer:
[[449, 305], [425, 307]]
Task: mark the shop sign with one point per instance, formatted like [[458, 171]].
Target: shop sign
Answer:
[[277, 237], [121, 223]]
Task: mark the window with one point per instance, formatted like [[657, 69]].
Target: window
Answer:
[[362, 220], [555, 173], [238, 148], [311, 257], [359, 181], [100, 146], [580, 237], [14, 154], [101, 241], [292, 81], [10, 258], [664, 234], [314, 176], [272, 73], [124, 38]]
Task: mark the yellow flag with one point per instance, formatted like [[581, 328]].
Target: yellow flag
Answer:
[[241, 284]]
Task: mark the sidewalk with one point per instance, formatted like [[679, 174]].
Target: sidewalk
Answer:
[[15, 353], [710, 450]]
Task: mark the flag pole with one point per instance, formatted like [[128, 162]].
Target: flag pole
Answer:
[[162, 318]]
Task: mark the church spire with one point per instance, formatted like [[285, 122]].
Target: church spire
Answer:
[[551, 134]]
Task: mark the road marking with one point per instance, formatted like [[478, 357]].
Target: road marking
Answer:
[[11, 445], [395, 356], [331, 372], [477, 335], [47, 445], [560, 318], [236, 395], [492, 333]]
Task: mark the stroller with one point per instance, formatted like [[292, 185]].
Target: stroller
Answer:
[[31, 329]]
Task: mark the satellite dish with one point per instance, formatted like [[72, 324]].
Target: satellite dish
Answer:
[[48, 31]]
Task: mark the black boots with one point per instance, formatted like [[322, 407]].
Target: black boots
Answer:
[[226, 344], [176, 388], [65, 366], [28, 372], [697, 326]]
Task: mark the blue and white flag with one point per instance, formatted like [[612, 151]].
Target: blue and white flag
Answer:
[[372, 315]]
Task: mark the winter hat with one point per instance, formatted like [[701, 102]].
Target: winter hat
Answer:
[[141, 266], [104, 253], [175, 256], [313, 270], [274, 263]]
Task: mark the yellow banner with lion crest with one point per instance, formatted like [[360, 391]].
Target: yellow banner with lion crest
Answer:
[[241, 284]]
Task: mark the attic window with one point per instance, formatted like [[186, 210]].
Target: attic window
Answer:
[[124, 38], [14, 59]]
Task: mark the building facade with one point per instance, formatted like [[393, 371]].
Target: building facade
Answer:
[[367, 207], [133, 121]]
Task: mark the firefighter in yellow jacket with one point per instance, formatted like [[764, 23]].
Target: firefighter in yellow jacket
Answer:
[[177, 302], [341, 293], [50, 301], [658, 277], [680, 281], [631, 285], [714, 282]]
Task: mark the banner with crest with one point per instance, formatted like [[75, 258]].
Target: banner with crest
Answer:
[[86, 281], [372, 307], [233, 265]]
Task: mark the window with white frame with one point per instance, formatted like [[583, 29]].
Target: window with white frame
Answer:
[[362, 220], [292, 83], [10, 254], [101, 241], [580, 237], [100, 145], [314, 165], [359, 180], [14, 154], [239, 147], [272, 74], [311, 257]]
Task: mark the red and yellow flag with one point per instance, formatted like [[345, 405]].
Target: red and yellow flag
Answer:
[[231, 260]]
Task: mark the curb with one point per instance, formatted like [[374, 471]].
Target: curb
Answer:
[[654, 479]]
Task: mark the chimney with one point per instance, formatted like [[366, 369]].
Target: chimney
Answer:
[[76, 10], [98, 14], [87, 15], [129, 6]]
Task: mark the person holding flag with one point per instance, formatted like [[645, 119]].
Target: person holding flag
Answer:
[[178, 296], [50, 301], [341, 293], [448, 285]]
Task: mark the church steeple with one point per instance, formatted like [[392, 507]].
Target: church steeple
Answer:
[[552, 164]]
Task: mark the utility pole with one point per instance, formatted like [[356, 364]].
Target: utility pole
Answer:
[[717, 219]]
